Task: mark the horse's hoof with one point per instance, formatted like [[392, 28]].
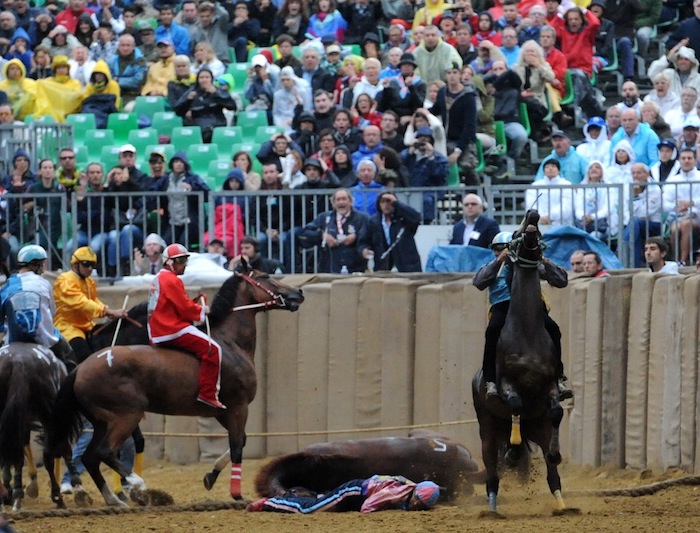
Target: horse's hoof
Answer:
[[491, 514], [569, 511], [209, 480], [140, 497], [32, 489], [82, 498]]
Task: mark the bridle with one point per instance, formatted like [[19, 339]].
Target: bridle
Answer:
[[519, 243], [277, 299]]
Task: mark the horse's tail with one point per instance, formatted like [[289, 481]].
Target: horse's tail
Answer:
[[66, 421], [15, 416]]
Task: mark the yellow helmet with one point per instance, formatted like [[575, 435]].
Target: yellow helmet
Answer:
[[84, 253]]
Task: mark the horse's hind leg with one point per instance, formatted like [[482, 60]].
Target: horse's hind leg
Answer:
[[235, 424], [17, 489], [32, 487], [96, 453], [556, 413]]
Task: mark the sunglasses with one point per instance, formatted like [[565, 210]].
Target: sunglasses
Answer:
[[67, 157], [180, 260], [88, 264], [499, 247]]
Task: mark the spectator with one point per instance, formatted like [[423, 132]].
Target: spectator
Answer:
[[595, 206], [91, 217], [486, 30], [662, 95], [250, 252], [129, 18], [464, 46], [651, 115], [108, 13], [593, 265], [326, 20], [510, 17], [45, 213], [127, 217], [264, 11], [688, 32], [341, 170], [648, 17], [242, 161], [391, 70], [510, 47], [390, 172], [172, 31], [622, 13], [292, 19], [343, 131], [60, 42], [81, 66], [150, 259], [371, 144], [204, 106], [68, 174], [105, 45], [530, 26], [213, 22], [535, 73], [38, 30], [433, 55], [391, 232], [623, 157], [19, 48], [422, 118], [147, 41], [342, 234], [646, 211], [389, 125], [364, 112], [597, 146], [260, 85], [306, 135], [557, 60], [552, 196], [668, 164], [681, 67], [475, 229], [630, 97], [159, 74], [128, 69], [396, 38], [21, 92], [156, 161], [677, 117], [69, 17], [327, 144], [102, 95], [8, 25], [681, 203], [242, 30], [367, 189], [487, 53], [292, 92], [404, 93], [285, 44], [361, 17], [613, 120], [369, 83], [655, 251], [41, 64], [640, 136], [276, 150], [180, 221], [24, 14], [576, 261], [127, 159], [182, 81], [187, 18], [426, 168]]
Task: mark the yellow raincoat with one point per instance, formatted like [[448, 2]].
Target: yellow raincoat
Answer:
[[57, 98], [77, 305], [111, 88], [159, 74], [427, 13], [21, 93]]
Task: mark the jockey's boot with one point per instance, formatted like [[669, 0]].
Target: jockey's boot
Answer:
[[565, 393], [491, 389], [216, 404]]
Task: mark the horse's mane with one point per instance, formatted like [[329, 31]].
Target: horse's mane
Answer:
[[223, 301]]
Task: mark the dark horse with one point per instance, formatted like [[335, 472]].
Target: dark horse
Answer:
[[136, 379], [30, 376], [421, 456], [527, 370]]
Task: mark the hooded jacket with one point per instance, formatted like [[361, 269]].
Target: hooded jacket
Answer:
[[644, 144], [112, 86], [599, 203], [26, 57], [432, 63], [664, 65], [595, 149], [21, 93], [428, 12]]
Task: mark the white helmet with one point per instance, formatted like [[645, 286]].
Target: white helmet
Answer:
[[502, 237], [174, 251], [31, 252]]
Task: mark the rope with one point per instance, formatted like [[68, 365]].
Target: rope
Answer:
[[643, 490]]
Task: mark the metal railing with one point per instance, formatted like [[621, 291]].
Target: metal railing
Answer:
[[116, 224]]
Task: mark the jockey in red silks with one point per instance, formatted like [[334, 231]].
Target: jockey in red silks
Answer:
[[170, 323]]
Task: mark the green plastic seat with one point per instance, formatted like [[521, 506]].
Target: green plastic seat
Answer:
[[95, 140], [225, 137], [217, 172], [185, 136], [250, 121], [200, 155], [121, 124], [149, 105], [141, 139], [81, 122], [165, 121], [109, 157], [568, 89], [501, 147], [263, 133], [239, 71]]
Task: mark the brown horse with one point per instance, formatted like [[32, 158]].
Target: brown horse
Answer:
[[419, 457], [136, 379], [527, 370]]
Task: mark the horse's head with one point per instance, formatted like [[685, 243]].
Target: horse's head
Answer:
[[269, 292], [526, 246]]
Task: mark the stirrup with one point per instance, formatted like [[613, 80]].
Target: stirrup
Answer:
[[216, 404], [491, 389], [564, 392]]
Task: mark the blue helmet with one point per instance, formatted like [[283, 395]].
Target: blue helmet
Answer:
[[31, 252], [502, 237]]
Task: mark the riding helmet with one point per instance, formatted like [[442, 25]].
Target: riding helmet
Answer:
[[84, 253], [29, 253], [502, 237], [175, 250]]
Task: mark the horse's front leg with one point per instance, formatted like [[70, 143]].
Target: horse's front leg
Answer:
[[211, 477], [489, 453], [556, 413], [17, 490], [515, 404]]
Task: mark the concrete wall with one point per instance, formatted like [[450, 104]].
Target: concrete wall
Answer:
[[379, 353]]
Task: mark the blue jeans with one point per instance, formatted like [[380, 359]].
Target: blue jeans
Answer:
[[130, 237], [642, 230], [285, 241], [96, 243], [517, 138], [626, 56], [78, 451]]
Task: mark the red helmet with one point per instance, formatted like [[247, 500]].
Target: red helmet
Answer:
[[173, 251]]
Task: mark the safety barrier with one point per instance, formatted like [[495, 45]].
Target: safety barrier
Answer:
[[384, 353]]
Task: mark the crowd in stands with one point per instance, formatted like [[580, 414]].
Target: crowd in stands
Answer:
[[363, 96]]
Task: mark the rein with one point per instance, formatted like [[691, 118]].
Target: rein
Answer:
[[518, 243], [277, 299]]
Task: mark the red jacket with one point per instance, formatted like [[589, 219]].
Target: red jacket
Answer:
[[169, 308], [557, 60], [578, 47], [69, 18]]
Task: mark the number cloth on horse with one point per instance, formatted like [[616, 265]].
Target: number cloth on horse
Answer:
[[170, 317], [365, 495]]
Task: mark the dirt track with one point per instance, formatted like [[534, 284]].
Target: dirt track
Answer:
[[527, 508]]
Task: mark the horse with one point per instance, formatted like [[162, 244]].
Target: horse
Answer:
[[30, 377], [527, 407], [136, 379], [419, 457]]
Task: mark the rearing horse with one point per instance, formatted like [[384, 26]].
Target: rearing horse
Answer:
[[136, 379], [527, 370]]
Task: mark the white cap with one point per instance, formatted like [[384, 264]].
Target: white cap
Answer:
[[259, 60], [692, 122], [127, 148]]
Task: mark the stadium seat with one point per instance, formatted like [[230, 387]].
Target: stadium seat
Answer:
[[225, 137], [141, 139], [239, 71], [217, 172], [263, 133], [185, 136], [149, 105], [121, 124], [165, 121], [249, 121], [95, 140], [81, 122], [109, 157], [200, 155]]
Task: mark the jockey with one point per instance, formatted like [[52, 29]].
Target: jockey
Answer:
[[77, 304], [28, 306], [497, 276], [170, 317]]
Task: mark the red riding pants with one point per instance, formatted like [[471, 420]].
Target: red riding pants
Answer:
[[208, 352]]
